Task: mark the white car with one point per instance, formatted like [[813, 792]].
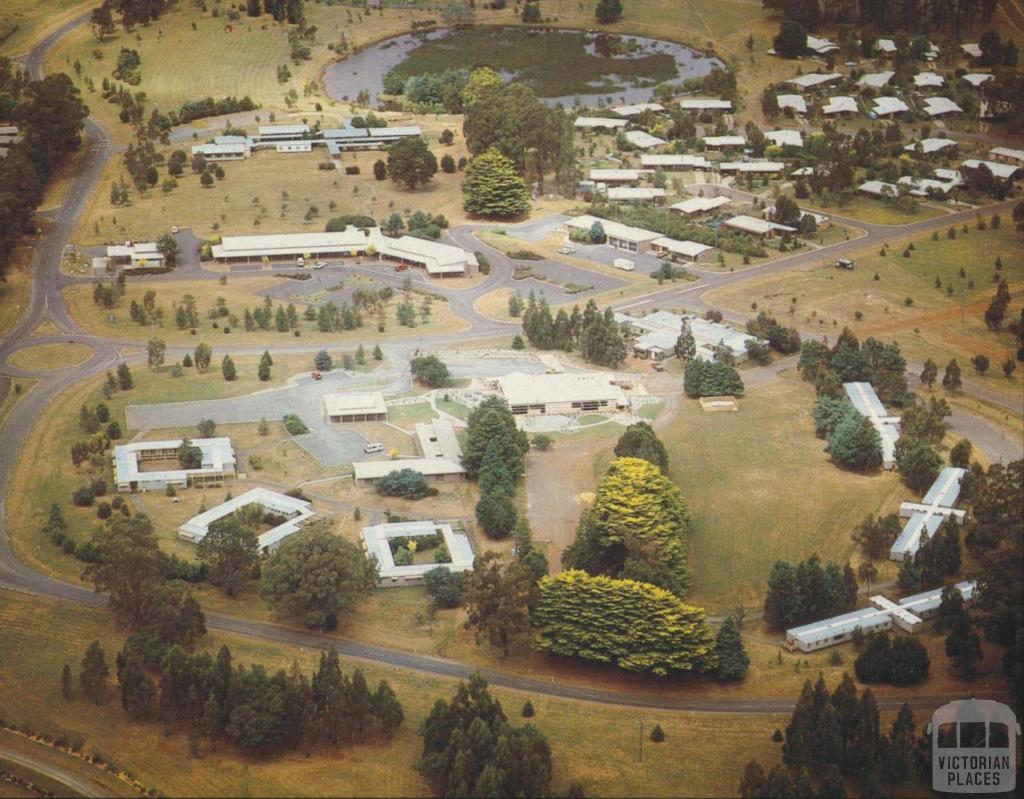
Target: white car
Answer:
[[565, 249], [319, 265], [174, 230]]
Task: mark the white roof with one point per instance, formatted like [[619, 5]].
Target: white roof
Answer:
[[643, 139], [751, 224], [876, 80], [972, 49], [814, 79], [698, 205], [283, 130], [923, 79], [659, 330], [437, 439], [819, 219], [599, 122], [634, 193], [843, 104], [923, 187], [217, 457], [931, 145], [927, 516], [636, 110], [232, 140], [751, 166], [794, 101], [866, 401], [725, 141], [614, 229], [618, 174], [138, 249], [889, 105], [429, 467], [802, 172], [936, 106], [977, 78], [220, 149], [295, 510], [530, 389], [689, 249], [277, 244], [1007, 152], [354, 404], [885, 45], [376, 541], [785, 138], [693, 161], [821, 46], [8, 130], [436, 257], [1004, 171], [692, 104], [879, 188]]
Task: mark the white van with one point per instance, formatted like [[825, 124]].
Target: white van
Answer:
[[374, 446], [624, 264]]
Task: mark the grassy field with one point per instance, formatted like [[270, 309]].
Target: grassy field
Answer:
[[868, 209], [50, 356], [238, 293], [24, 22], [40, 636], [12, 397], [937, 325], [748, 491], [14, 291]]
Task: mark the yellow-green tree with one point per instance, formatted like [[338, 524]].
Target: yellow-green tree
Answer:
[[638, 527], [479, 79], [633, 625]]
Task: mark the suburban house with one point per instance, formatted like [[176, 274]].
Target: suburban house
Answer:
[[704, 104], [820, 46], [924, 80], [785, 138], [758, 227], [377, 543], [619, 236], [599, 123], [929, 146], [643, 140], [908, 615], [886, 106], [1006, 172], [635, 194], [876, 80], [440, 457], [674, 250], [672, 162], [1007, 155], [699, 205], [135, 255], [841, 104], [289, 246], [131, 475], [924, 518], [655, 335], [352, 408], [636, 110], [939, 106], [287, 514], [793, 102], [879, 188], [724, 142], [814, 79], [439, 260], [867, 403], [977, 78], [564, 394], [821, 221]]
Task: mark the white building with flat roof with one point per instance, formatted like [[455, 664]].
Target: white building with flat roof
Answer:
[[288, 515], [879, 188], [135, 255], [655, 335], [977, 78], [924, 80], [637, 109], [287, 246], [723, 142], [568, 393], [599, 123], [753, 167], [619, 236], [440, 456], [867, 403], [841, 104], [675, 250], [353, 408], [377, 543], [223, 151], [704, 104], [272, 132], [439, 260], [618, 175], [814, 79], [1008, 155], [671, 161], [929, 145], [1001, 171], [795, 102], [908, 615], [820, 46], [785, 138], [876, 80], [131, 474], [635, 194], [699, 205], [924, 518]]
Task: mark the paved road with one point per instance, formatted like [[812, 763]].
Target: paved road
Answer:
[[75, 786], [47, 304]]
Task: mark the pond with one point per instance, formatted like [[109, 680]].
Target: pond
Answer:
[[566, 66]]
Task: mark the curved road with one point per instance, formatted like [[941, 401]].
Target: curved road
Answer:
[[46, 304]]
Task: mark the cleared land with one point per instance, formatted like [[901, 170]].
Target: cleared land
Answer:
[[938, 324], [45, 357], [879, 212], [240, 293], [23, 22], [15, 291]]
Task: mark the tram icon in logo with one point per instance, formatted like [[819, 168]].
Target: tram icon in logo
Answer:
[[974, 747]]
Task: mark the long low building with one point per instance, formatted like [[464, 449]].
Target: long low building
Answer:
[[353, 408], [619, 236], [440, 457], [599, 123], [908, 615], [673, 161], [705, 104], [377, 543], [757, 227], [287, 514], [867, 403], [349, 138], [675, 250], [722, 142], [924, 518], [618, 175], [439, 260], [635, 194], [655, 335], [284, 246], [217, 464], [752, 167], [135, 255], [699, 205], [643, 140], [562, 394], [842, 104], [636, 110]]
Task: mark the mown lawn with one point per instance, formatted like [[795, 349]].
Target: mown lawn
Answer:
[[937, 324], [50, 356], [23, 22]]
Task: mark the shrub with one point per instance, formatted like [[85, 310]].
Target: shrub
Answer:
[[407, 483], [83, 497], [528, 711], [294, 425], [657, 734], [444, 587]]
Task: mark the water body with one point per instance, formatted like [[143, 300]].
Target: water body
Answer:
[[566, 66]]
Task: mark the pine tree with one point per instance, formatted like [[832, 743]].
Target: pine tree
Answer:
[[492, 187], [138, 691], [227, 368], [732, 657], [951, 380], [94, 673], [65, 681], [387, 709], [963, 646]]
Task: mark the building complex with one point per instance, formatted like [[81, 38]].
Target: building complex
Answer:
[[377, 541], [867, 403], [131, 474], [924, 518], [285, 514]]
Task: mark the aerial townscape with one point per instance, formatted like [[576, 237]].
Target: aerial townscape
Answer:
[[511, 398]]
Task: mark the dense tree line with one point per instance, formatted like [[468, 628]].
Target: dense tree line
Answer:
[[50, 116], [874, 362], [780, 338], [703, 378], [471, 749], [593, 333], [808, 592], [494, 455], [900, 660], [830, 736], [878, 15]]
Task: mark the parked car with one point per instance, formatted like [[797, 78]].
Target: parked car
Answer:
[[319, 264], [373, 446], [624, 264], [565, 249]]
